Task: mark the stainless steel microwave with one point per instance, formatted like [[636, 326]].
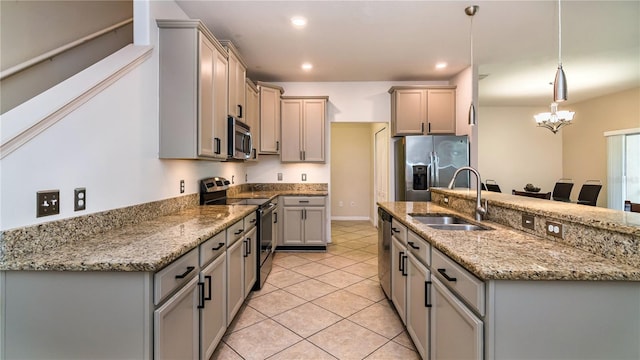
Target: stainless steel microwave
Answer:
[[240, 142]]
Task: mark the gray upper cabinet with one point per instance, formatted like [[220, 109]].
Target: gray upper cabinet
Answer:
[[303, 129], [193, 92], [252, 116], [421, 110], [269, 135], [237, 79]]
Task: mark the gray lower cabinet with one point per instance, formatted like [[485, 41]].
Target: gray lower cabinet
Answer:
[[456, 332], [176, 325], [399, 278], [235, 278], [213, 315], [304, 222], [418, 304], [250, 260]]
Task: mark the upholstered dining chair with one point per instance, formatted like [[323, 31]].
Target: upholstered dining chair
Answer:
[[589, 192], [562, 190]]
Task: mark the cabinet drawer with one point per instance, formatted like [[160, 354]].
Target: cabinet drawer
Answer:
[[460, 281], [213, 247], [176, 274], [234, 232], [250, 221], [419, 247], [304, 201], [399, 231]]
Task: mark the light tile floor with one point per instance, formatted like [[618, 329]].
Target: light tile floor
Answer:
[[321, 306]]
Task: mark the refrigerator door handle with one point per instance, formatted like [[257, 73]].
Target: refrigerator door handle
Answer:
[[437, 168]]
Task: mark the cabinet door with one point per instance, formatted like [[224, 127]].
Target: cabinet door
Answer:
[[213, 317], [206, 105], [176, 327], [456, 333], [269, 120], [235, 279], [292, 224], [418, 304], [220, 105], [441, 111], [313, 134], [292, 113], [409, 111], [252, 118], [237, 78], [314, 225], [399, 277], [250, 260]]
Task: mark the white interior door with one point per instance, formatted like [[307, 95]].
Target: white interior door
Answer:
[[381, 169]]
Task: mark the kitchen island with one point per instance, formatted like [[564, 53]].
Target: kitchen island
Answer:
[[520, 295]]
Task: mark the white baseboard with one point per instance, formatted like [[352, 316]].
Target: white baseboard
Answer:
[[351, 218]]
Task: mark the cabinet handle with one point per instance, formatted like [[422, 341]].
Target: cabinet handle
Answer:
[[208, 278], [427, 284], [184, 274], [404, 265], [249, 243], [252, 221], [394, 230], [275, 217], [303, 201], [429, 128], [255, 154], [217, 145], [443, 272], [304, 155], [240, 111], [238, 232], [411, 243], [220, 245], [401, 262], [421, 127], [201, 297], [277, 145], [246, 251], [301, 156]]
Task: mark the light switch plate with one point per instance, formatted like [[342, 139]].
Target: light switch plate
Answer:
[[47, 203], [528, 221]]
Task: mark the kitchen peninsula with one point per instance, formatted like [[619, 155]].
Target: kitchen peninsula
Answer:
[[523, 294]]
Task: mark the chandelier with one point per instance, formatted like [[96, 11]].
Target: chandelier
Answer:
[[555, 119]]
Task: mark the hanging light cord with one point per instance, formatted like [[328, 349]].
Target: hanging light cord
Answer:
[[559, 33], [471, 36]]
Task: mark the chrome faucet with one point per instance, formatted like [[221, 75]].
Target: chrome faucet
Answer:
[[480, 210]]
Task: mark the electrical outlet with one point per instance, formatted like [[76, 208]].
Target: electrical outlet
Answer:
[[304, 177], [79, 199], [528, 222], [181, 186], [340, 203], [555, 229], [279, 176], [47, 203]]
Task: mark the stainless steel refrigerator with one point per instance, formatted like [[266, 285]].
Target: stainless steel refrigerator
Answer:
[[428, 161]]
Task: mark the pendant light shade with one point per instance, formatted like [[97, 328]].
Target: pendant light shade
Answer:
[[471, 11], [560, 82]]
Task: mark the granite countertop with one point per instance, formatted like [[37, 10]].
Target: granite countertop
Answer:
[[507, 254], [621, 221], [146, 246]]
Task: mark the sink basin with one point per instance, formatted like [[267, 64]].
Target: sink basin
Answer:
[[439, 219], [446, 222], [459, 227]]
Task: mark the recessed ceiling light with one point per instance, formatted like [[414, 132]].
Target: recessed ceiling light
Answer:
[[441, 65], [298, 21], [307, 66]]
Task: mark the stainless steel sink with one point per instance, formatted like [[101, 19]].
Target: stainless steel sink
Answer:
[[446, 222], [439, 219], [459, 227]]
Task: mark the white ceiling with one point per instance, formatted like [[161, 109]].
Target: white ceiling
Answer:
[[515, 43]]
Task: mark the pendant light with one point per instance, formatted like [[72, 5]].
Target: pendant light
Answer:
[[560, 83], [471, 11]]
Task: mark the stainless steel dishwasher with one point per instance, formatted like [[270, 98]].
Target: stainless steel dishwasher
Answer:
[[384, 251]]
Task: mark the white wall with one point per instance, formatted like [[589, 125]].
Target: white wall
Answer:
[[514, 151], [109, 146]]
